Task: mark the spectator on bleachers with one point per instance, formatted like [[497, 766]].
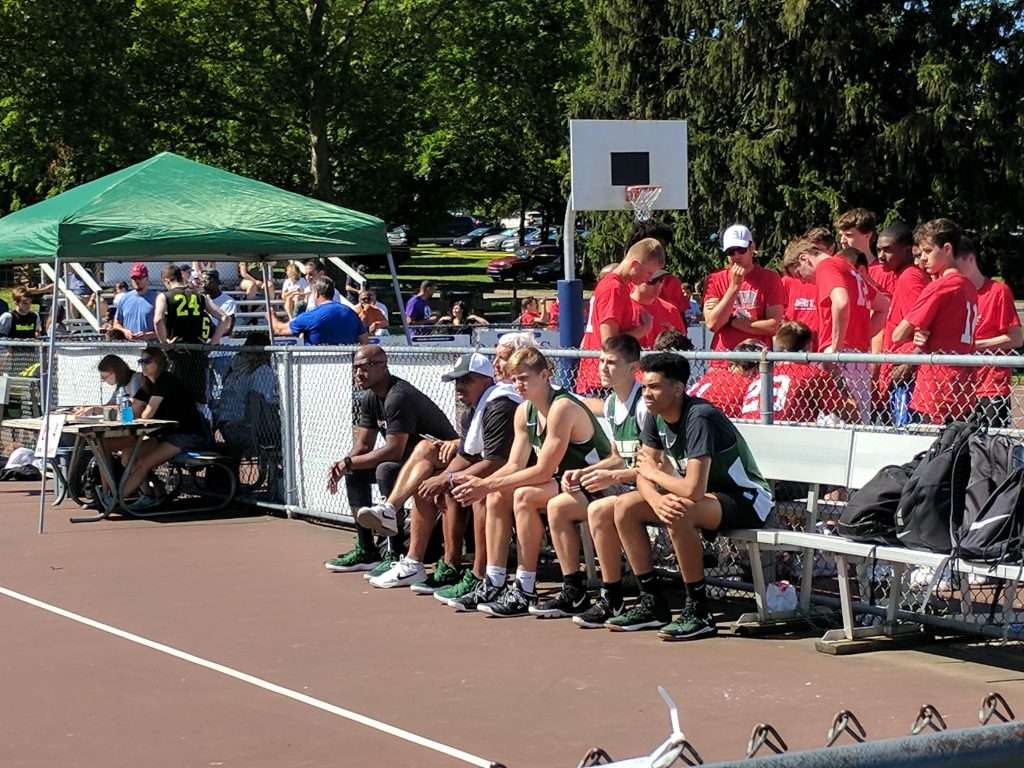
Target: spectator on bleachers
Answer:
[[532, 313], [417, 308], [590, 493], [801, 293], [164, 397], [325, 321], [461, 317], [664, 316], [801, 391], [895, 383], [120, 291], [223, 302], [721, 489], [247, 410], [134, 315], [394, 409], [508, 344], [293, 289], [997, 332], [20, 322], [369, 312], [612, 311], [354, 286], [562, 434], [672, 340], [251, 278], [942, 320], [434, 470], [691, 313], [726, 387], [743, 300]]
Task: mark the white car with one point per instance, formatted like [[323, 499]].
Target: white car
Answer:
[[493, 242]]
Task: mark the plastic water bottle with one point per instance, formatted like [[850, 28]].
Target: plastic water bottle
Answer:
[[124, 405], [899, 405]]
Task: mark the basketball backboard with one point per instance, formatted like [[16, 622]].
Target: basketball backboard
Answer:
[[609, 155]]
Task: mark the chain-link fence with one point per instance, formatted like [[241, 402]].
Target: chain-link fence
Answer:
[[285, 415]]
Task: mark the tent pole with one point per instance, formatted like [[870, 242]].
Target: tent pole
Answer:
[[398, 297], [268, 276], [49, 390]]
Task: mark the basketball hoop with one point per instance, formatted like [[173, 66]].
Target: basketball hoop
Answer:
[[642, 199]]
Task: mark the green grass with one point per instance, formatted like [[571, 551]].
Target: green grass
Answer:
[[445, 265]]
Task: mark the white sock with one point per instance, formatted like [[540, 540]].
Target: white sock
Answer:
[[411, 560], [496, 575], [528, 579]]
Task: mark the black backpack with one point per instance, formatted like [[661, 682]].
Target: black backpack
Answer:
[[870, 514], [992, 461], [932, 503], [994, 536]]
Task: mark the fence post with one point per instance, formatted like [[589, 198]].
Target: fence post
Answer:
[[288, 433], [766, 369]]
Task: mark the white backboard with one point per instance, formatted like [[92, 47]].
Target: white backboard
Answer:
[[609, 155]]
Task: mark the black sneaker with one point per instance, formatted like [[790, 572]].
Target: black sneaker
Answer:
[[570, 601], [484, 593], [513, 601], [596, 615], [648, 613], [692, 624]]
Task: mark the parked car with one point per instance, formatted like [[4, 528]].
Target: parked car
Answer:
[[493, 242], [445, 231], [523, 262], [530, 237], [402, 235], [472, 239]]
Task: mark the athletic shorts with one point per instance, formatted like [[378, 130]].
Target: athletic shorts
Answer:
[[737, 512], [611, 490]]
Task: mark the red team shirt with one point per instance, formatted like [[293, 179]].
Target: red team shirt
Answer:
[[723, 389], [948, 309], [610, 302], [664, 315], [759, 290], [996, 316], [836, 272], [907, 286], [802, 392], [672, 292], [883, 278], [802, 305]]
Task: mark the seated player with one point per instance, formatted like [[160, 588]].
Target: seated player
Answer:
[[801, 391], [563, 434], [695, 475], [431, 472], [726, 386], [598, 483]]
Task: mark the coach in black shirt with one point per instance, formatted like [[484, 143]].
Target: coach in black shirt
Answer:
[[395, 408]]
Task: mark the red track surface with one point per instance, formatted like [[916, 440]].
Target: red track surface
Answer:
[[251, 594]]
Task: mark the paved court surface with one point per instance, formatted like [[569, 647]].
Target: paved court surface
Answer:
[[251, 594]]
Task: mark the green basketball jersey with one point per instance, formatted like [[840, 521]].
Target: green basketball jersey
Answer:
[[577, 455], [626, 420]]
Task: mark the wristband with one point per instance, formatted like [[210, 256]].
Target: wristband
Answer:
[[348, 463]]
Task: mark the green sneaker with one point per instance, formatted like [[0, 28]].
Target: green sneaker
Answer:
[[356, 559], [468, 584], [444, 575], [386, 562], [692, 624], [648, 613]]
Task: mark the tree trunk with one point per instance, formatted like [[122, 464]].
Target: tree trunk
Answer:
[[522, 219], [319, 149]]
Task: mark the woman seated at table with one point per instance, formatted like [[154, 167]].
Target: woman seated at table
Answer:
[[163, 397], [115, 373], [460, 315]]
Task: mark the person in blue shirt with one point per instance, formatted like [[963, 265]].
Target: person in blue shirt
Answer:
[[134, 316], [326, 321]]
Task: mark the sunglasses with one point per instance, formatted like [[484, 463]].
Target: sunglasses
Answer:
[[656, 280], [734, 251], [145, 360]]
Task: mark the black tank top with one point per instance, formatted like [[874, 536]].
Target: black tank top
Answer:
[[186, 316], [23, 326]]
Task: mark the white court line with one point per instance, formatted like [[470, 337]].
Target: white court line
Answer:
[[348, 714]]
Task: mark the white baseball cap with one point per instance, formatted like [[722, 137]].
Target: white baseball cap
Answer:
[[467, 364], [736, 236]]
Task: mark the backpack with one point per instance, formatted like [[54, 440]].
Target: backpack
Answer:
[[870, 514], [932, 502], [992, 461], [995, 534]]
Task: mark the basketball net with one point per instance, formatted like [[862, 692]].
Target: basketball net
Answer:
[[642, 199]]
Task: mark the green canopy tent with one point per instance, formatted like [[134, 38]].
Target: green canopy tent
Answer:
[[171, 208]]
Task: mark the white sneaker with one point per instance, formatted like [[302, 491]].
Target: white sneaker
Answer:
[[381, 518], [401, 574]]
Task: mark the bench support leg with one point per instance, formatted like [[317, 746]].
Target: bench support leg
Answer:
[[588, 554], [760, 588]]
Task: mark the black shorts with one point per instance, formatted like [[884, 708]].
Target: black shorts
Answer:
[[737, 512], [612, 490]]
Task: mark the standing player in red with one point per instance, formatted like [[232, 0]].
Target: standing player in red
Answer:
[[895, 383], [664, 315], [998, 332], [744, 300], [856, 229], [613, 312], [845, 306], [801, 293], [942, 320]]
